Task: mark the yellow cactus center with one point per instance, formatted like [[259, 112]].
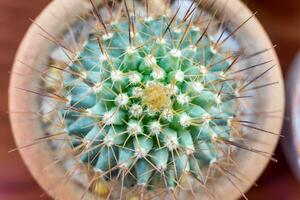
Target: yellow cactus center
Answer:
[[157, 97]]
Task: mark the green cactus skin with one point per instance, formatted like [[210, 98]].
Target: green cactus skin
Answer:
[[149, 104]]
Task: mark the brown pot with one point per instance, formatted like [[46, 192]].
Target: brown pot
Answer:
[[34, 50]]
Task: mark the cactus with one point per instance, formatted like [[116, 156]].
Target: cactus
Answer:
[[148, 102], [151, 102]]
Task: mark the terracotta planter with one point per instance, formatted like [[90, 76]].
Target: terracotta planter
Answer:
[[34, 51]]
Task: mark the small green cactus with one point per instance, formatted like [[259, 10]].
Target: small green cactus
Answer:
[[149, 105], [151, 101]]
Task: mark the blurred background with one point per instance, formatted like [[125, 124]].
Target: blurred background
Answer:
[[281, 20]]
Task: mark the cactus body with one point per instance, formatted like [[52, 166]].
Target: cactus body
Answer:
[[150, 105]]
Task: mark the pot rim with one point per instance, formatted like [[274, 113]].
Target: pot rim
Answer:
[[31, 52]]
